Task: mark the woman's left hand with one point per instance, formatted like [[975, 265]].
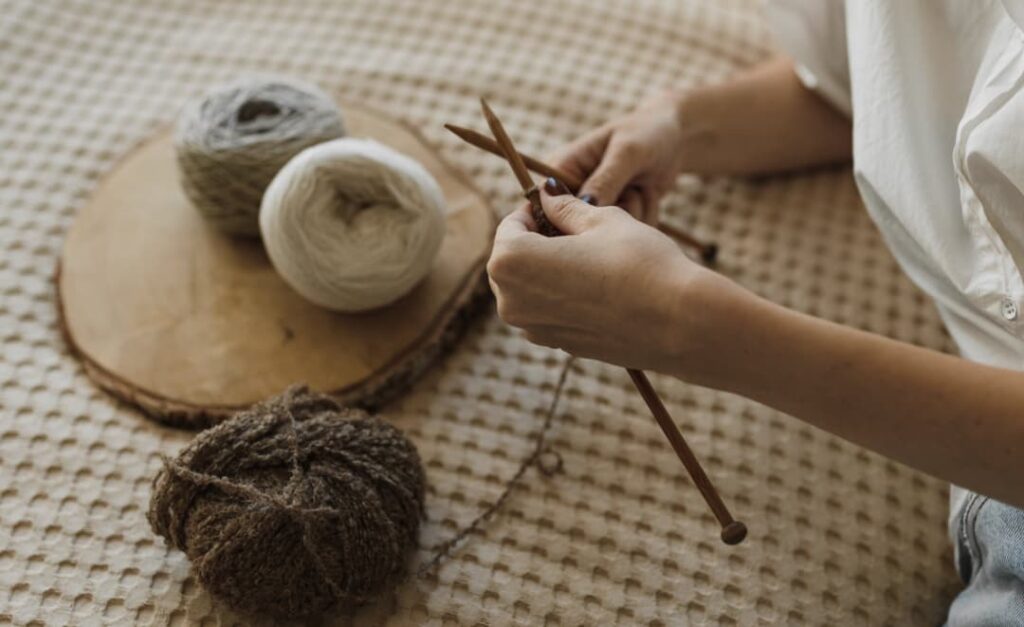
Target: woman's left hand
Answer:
[[611, 288]]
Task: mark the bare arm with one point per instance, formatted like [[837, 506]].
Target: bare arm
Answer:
[[947, 416], [762, 121], [952, 418], [617, 290]]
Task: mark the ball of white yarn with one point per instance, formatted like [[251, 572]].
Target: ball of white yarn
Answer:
[[352, 225], [232, 141]]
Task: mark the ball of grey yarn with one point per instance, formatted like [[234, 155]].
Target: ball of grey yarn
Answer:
[[294, 506], [232, 141]]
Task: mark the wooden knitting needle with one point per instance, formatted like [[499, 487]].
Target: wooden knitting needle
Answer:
[[733, 531], [708, 251]]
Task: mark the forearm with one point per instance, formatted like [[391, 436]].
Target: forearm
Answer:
[[949, 417], [762, 121]]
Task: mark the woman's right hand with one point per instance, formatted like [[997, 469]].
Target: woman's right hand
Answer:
[[632, 161]]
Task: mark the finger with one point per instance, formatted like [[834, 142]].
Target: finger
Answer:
[[633, 202], [608, 180], [502, 309], [568, 214], [515, 224], [652, 201], [581, 156]]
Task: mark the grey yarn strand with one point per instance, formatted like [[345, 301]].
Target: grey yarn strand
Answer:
[[232, 142]]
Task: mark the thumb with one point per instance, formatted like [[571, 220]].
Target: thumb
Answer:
[[568, 214]]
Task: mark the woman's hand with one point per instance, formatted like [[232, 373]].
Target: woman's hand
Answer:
[[715, 130], [617, 290], [611, 288], [631, 161]]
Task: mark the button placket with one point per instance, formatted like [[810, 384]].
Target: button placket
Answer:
[[1009, 309]]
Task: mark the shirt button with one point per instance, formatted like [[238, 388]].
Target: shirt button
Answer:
[[1009, 309]]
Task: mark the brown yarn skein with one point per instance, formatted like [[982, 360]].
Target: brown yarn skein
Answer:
[[293, 506]]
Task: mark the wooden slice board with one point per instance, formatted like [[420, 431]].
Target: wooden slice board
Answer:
[[191, 325]]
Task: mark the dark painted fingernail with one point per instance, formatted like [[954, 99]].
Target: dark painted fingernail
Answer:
[[590, 199], [554, 187]]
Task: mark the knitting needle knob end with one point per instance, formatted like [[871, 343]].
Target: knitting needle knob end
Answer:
[[734, 532]]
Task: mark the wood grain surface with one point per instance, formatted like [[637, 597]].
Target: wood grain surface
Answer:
[[190, 324]]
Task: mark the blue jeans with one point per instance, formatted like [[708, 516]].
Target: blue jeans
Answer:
[[988, 537]]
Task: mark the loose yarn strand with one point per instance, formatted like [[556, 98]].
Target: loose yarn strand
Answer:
[[447, 548], [293, 443]]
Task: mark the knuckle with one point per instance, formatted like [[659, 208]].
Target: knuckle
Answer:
[[496, 266], [502, 260], [563, 204]]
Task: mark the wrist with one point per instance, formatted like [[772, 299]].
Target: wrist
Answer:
[[696, 130], [715, 323]]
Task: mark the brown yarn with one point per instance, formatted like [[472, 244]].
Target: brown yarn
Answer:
[[296, 505], [544, 225], [293, 506]]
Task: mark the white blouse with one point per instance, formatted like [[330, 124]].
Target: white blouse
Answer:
[[934, 91]]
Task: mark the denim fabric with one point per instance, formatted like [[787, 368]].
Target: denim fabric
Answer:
[[989, 541]]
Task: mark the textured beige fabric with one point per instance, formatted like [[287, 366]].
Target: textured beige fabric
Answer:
[[838, 535]]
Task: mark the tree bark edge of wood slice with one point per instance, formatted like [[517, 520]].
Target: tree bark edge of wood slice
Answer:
[[190, 325]]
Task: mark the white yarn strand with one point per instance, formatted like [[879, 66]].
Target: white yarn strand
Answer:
[[353, 225], [232, 141]]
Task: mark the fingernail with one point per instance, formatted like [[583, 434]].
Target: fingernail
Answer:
[[554, 187], [590, 199]]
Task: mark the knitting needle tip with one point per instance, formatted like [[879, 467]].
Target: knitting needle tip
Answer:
[[486, 107], [463, 133]]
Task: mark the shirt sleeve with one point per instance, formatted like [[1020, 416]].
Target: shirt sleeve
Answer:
[[813, 33]]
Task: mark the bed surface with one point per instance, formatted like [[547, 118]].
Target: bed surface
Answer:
[[837, 535]]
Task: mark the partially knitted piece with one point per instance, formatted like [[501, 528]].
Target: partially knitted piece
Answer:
[[293, 506]]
